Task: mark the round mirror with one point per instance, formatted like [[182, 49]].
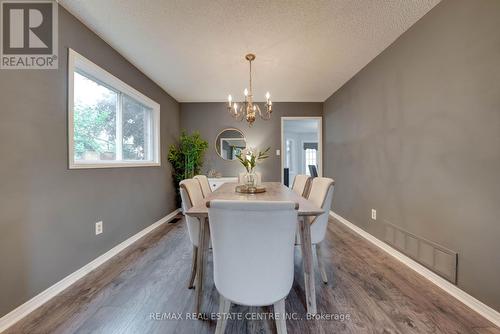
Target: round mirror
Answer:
[[229, 143]]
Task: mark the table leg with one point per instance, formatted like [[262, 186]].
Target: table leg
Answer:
[[307, 260], [200, 267]]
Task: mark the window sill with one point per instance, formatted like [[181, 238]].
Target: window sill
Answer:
[[119, 164]]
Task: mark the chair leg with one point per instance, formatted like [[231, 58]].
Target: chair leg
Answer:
[[193, 267], [224, 306], [279, 311], [321, 265]]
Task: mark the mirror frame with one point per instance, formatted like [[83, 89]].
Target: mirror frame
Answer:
[[217, 138]]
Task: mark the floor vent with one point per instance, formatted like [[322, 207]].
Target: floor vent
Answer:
[[431, 255]]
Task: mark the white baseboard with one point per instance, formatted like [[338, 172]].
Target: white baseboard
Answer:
[[481, 308], [23, 310]]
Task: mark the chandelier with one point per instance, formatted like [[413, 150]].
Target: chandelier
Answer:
[[248, 110]]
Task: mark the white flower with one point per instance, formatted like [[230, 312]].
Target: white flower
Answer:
[[247, 153]]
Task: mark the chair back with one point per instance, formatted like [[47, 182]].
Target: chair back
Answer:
[[191, 195], [205, 185], [301, 185], [321, 194], [253, 249], [241, 178]]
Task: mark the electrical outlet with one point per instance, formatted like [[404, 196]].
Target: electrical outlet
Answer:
[[278, 152], [98, 228], [374, 214]]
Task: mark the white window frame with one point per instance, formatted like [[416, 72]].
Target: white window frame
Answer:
[[78, 62]]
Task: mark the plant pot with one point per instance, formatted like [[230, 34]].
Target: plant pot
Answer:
[[251, 179]]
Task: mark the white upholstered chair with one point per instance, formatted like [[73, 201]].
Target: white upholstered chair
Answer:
[[205, 185], [301, 185], [320, 193], [241, 178], [191, 194], [253, 251]]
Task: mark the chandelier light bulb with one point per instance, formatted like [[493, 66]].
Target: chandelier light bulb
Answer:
[[245, 92], [267, 96]]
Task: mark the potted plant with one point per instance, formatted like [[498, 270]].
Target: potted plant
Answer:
[[186, 158], [249, 158]]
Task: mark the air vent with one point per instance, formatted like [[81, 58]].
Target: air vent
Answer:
[[431, 255]]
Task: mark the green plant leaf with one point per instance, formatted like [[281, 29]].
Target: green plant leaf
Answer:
[[186, 157]]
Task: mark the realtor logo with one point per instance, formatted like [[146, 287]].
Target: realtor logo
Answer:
[[29, 34]]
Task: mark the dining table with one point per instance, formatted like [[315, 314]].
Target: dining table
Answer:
[[275, 191]]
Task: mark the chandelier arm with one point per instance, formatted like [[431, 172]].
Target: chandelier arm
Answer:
[[240, 115], [264, 115], [236, 113]]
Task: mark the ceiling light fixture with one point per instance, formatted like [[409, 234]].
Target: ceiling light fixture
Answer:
[[248, 109]]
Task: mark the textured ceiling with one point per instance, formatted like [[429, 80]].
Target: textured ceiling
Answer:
[[194, 49]]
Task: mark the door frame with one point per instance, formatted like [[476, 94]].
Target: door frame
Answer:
[[320, 141]]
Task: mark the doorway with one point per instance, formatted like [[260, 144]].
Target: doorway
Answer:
[[301, 147]]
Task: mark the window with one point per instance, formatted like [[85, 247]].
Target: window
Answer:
[[310, 152], [110, 123]]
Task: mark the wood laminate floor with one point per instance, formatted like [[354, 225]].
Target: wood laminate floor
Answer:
[[138, 289]]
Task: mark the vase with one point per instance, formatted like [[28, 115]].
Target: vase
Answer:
[[251, 179]]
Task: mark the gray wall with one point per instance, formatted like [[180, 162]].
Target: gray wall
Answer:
[[211, 118], [47, 212], [416, 135]]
